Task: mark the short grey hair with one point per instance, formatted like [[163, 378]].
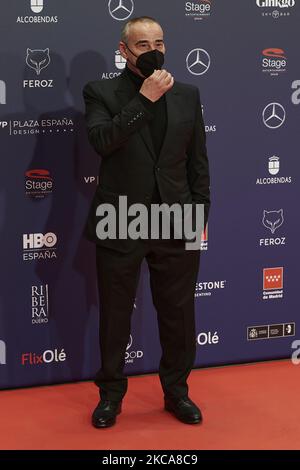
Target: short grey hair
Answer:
[[138, 19]]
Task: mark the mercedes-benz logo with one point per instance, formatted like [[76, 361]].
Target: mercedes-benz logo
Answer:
[[120, 9], [130, 343], [273, 115], [198, 61]]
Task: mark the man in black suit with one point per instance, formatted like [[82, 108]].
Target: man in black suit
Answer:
[[148, 129]]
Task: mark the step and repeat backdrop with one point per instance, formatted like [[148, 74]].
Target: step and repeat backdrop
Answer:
[[244, 57]]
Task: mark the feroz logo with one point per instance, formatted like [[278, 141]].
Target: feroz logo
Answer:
[[272, 220], [2, 92], [38, 59], [273, 115], [120, 10], [2, 352], [198, 61]]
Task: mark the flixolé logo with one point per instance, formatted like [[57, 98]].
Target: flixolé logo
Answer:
[[274, 61]]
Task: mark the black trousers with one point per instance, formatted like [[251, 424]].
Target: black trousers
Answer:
[[173, 274]]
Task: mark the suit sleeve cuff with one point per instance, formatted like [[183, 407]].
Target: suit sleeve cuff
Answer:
[[148, 104]]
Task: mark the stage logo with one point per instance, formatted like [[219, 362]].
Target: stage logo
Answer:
[[38, 183], [198, 10], [274, 61]]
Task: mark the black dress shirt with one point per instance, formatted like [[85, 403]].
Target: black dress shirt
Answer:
[[158, 123]]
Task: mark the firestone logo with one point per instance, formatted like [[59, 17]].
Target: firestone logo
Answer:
[[47, 357]]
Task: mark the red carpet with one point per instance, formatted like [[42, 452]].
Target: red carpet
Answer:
[[253, 406]]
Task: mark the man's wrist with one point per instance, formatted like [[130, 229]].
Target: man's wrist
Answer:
[[146, 101]]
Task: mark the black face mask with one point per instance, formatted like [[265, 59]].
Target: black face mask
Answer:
[[149, 61]]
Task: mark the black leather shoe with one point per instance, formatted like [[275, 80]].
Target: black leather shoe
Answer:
[[184, 409], [105, 413]]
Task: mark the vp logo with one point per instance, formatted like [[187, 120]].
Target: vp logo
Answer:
[[2, 353], [2, 92], [120, 9]]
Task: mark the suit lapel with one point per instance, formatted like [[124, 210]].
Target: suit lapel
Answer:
[[126, 91]]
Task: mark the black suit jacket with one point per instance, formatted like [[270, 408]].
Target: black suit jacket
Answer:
[[117, 126]]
